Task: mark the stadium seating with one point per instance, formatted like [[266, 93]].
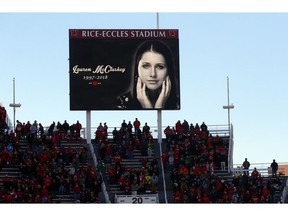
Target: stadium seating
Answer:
[[57, 167]]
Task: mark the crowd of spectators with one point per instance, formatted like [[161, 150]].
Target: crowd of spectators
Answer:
[[47, 168], [193, 157], [129, 137]]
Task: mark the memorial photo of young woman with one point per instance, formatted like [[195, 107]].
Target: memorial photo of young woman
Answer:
[[153, 81]]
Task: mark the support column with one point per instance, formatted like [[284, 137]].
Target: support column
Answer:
[[88, 126], [159, 124]]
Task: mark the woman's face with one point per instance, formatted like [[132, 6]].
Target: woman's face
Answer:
[[152, 69]]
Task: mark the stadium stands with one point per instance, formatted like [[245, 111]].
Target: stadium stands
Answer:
[[47, 169], [199, 173], [55, 166]]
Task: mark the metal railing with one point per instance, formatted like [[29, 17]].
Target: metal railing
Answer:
[[220, 130], [263, 168], [285, 192]]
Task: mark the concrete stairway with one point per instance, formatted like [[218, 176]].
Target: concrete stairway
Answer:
[[134, 163], [69, 198]]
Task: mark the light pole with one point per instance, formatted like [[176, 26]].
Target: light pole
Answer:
[[14, 105], [228, 106]]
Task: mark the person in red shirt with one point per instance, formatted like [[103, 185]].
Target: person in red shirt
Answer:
[[178, 127], [177, 197], [225, 197], [56, 138], [220, 187], [168, 132], [203, 169], [100, 133], [265, 193], [109, 149], [260, 178], [127, 186], [136, 125], [184, 171], [197, 129], [112, 174], [117, 159], [76, 191], [121, 182], [209, 142], [197, 169], [255, 173], [44, 194], [206, 198], [47, 181], [92, 172], [164, 158], [144, 162], [246, 196], [137, 143], [8, 198], [255, 198]]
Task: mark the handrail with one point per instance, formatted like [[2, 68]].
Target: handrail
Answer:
[[285, 192], [263, 171], [259, 165], [221, 130], [103, 186]]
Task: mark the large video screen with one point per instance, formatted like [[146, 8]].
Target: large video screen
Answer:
[[124, 69]]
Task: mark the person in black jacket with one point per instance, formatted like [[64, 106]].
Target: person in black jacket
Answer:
[[274, 167], [246, 165]]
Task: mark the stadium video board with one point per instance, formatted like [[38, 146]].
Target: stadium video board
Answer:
[[124, 69]]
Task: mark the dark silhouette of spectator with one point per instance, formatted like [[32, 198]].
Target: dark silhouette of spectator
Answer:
[[105, 127], [204, 127], [146, 129], [51, 129], [246, 165], [72, 130], [18, 129], [41, 130], [168, 133], [59, 126], [27, 129], [65, 127], [78, 127], [274, 168], [115, 134], [130, 128], [124, 125], [185, 126]]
